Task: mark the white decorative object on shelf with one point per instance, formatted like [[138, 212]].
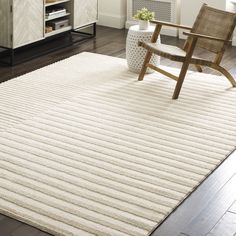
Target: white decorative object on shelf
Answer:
[[135, 55]]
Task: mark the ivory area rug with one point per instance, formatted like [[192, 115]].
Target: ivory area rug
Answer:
[[86, 149]]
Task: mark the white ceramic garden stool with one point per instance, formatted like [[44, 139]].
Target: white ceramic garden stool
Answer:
[[135, 55]]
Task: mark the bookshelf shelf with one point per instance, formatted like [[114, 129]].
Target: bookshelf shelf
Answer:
[[54, 32], [60, 9], [57, 17], [55, 3]]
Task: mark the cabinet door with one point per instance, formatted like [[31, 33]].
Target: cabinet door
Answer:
[[28, 21], [85, 12]]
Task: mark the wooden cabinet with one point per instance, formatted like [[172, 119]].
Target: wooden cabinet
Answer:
[[23, 21], [85, 12], [28, 21]]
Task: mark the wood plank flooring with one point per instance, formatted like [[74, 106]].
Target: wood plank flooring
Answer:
[[210, 210]]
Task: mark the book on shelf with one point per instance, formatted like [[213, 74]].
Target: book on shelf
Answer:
[[54, 13]]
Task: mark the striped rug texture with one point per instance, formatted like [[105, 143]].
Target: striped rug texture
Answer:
[[86, 149]]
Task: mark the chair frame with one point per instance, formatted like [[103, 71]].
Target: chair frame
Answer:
[[187, 60]]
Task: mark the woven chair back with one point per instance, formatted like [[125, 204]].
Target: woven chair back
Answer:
[[216, 23]]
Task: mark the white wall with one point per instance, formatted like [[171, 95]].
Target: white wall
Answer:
[[112, 13]]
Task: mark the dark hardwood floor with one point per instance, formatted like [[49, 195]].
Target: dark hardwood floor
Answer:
[[210, 210]]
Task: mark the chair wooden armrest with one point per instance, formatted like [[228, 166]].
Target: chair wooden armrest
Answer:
[[206, 37], [170, 24]]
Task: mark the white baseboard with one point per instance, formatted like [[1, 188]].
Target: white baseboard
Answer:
[[164, 31], [114, 21]]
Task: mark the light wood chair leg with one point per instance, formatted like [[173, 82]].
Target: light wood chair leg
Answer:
[[184, 68], [228, 76], [199, 68], [144, 67], [225, 73], [180, 80], [149, 54]]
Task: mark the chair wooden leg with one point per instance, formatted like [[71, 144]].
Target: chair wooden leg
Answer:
[[184, 68], [180, 80], [144, 67], [149, 54], [228, 76], [225, 73], [199, 68]]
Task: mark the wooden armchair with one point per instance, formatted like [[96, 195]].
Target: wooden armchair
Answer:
[[211, 31]]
